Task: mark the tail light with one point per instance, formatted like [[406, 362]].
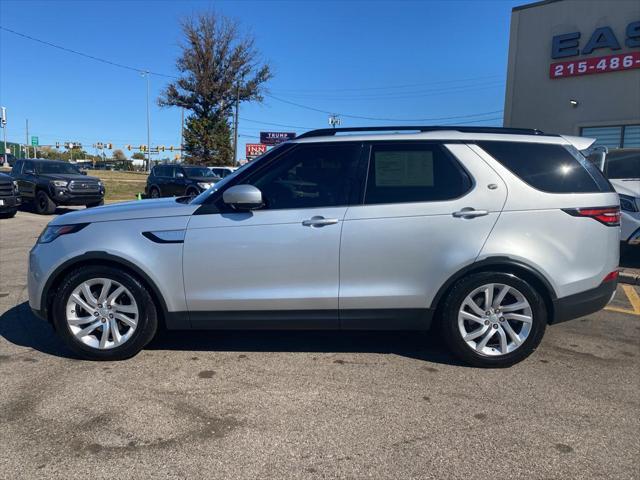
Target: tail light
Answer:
[[610, 276], [609, 216]]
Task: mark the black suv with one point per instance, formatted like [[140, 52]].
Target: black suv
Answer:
[[178, 180], [9, 199], [49, 183]]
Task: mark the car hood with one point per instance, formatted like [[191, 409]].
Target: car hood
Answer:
[[137, 209], [204, 179], [68, 176], [629, 187]]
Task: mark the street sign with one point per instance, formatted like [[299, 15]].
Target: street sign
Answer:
[[34, 141], [274, 138], [254, 150]]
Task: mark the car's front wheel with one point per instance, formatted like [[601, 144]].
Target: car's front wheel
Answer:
[[493, 319], [43, 203], [104, 313]]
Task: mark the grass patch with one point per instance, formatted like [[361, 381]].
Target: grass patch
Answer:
[[120, 185]]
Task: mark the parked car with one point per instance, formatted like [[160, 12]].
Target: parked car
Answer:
[[178, 180], [9, 198], [48, 183], [11, 159], [222, 171], [622, 168], [491, 233]]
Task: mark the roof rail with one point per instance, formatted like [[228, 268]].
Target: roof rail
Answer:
[[323, 132]]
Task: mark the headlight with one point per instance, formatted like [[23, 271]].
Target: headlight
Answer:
[[50, 233], [100, 184], [628, 203], [204, 185], [60, 183]]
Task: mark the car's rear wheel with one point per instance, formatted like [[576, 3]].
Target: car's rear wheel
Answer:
[[103, 313], [154, 192], [43, 203], [493, 319]]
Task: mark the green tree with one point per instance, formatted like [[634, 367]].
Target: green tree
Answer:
[[138, 156], [218, 64], [119, 154]]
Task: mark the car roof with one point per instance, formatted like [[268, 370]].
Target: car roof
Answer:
[[440, 133]]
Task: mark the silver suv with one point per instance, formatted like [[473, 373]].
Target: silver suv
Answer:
[[488, 233]]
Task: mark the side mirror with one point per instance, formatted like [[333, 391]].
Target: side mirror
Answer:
[[243, 197], [179, 175]]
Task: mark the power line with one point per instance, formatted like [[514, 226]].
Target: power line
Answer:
[[92, 57], [346, 115], [362, 117]]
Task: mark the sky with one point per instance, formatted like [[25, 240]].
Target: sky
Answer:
[[394, 63]]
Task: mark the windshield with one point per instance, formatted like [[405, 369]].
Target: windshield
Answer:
[[56, 167], [623, 164], [198, 172]]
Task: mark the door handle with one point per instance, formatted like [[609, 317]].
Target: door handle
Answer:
[[469, 212], [319, 221]]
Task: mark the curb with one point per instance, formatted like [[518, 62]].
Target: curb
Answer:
[[629, 278]]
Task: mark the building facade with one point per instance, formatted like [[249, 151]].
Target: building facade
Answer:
[[574, 69]]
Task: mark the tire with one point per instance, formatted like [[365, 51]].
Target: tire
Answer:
[[9, 214], [43, 204], [140, 328], [192, 192], [524, 335], [154, 192], [95, 204]]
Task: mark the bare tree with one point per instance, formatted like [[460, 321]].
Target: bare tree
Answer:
[[218, 63]]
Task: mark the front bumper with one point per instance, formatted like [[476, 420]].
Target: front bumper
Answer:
[[63, 196], [583, 303], [9, 203]]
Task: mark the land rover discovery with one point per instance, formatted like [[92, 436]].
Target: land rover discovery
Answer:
[[492, 234]]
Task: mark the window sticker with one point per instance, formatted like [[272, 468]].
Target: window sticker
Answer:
[[404, 169]]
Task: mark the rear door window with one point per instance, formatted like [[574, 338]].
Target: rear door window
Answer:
[[550, 168], [405, 173]]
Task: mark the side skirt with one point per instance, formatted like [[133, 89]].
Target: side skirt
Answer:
[[368, 319]]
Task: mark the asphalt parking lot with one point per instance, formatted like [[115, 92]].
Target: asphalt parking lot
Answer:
[[313, 405]]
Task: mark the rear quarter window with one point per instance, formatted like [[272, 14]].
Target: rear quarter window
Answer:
[[548, 167]]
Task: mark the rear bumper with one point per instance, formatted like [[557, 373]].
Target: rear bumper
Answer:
[[583, 303]]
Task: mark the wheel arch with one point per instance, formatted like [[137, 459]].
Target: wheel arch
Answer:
[[501, 265], [96, 258]]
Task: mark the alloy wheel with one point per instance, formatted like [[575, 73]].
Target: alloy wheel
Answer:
[[495, 319], [102, 313]]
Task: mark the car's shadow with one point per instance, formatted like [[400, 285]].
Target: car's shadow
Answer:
[[26, 207], [630, 256], [21, 327]]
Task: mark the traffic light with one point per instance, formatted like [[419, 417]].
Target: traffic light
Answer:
[[109, 146], [161, 148], [171, 148], [128, 147], [57, 145], [143, 148]]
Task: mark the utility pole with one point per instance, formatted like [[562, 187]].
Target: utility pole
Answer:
[[334, 120], [146, 74], [235, 128], [26, 140], [181, 133], [3, 124]]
